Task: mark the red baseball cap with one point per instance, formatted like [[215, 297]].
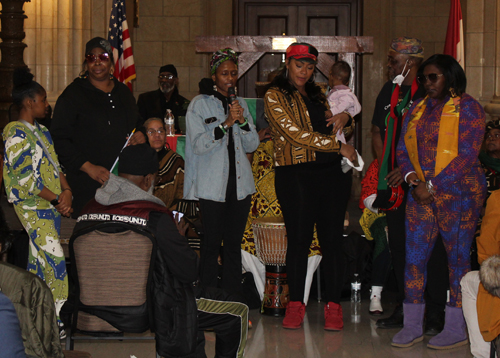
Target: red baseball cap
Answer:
[[303, 52]]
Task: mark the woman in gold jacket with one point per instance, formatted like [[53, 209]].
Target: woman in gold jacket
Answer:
[[310, 185]]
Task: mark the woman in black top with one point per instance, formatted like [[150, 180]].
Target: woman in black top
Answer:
[[92, 119]]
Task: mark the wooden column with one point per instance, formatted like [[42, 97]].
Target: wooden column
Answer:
[[12, 48]]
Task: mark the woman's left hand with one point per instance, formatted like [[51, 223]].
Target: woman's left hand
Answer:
[[422, 195], [338, 121], [65, 201], [137, 138]]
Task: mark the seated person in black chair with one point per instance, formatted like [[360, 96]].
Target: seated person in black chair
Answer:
[[175, 287]]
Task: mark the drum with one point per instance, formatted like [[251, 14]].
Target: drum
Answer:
[[270, 246]]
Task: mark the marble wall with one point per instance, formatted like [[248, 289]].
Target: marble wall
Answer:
[[56, 32], [166, 34]]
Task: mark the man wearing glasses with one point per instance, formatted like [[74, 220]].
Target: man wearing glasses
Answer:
[[395, 98], [155, 103]]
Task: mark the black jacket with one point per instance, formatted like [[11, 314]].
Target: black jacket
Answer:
[[173, 301], [91, 125], [153, 104]]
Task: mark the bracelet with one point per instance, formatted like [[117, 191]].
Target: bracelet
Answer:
[[244, 123], [67, 189], [430, 188], [222, 128]]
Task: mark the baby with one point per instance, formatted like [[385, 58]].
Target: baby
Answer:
[[340, 98]]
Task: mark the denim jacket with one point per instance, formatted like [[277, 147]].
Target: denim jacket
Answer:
[[207, 160]]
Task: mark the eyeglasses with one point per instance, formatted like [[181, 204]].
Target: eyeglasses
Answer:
[[166, 77], [493, 136], [155, 131], [432, 77], [91, 58]]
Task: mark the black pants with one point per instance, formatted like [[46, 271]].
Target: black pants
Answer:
[[437, 267], [228, 317], [223, 222], [311, 194]]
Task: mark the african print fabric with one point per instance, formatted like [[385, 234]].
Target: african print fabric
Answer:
[[27, 171], [460, 191], [264, 202], [221, 56]]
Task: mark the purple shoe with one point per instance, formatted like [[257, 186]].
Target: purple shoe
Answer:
[[413, 326], [454, 333]]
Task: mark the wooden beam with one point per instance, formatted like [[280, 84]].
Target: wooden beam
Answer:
[[328, 44], [325, 62], [247, 60]]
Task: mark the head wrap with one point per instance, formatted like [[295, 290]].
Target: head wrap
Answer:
[[303, 52], [492, 125], [169, 68], [408, 46], [220, 56], [100, 43], [138, 159]]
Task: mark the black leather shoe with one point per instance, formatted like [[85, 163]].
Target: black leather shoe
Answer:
[[434, 323], [393, 321]]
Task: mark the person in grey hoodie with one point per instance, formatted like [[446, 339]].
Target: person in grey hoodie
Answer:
[[128, 198]]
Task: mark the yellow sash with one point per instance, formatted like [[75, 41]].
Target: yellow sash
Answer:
[[447, 147]]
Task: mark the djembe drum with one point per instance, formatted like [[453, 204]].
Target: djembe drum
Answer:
[[270, 246]]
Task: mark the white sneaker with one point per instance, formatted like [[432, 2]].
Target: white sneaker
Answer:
[[376, 306]]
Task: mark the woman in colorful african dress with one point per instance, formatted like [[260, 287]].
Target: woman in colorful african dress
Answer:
[[36, 186], [438, 157]]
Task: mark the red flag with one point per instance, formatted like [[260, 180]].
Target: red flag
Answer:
[[119, 38], [454, 45]]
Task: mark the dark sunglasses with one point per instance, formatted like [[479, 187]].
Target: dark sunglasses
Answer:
[[91, 58], [432, 77]]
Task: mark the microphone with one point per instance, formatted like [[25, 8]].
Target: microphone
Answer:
[[232, 95]]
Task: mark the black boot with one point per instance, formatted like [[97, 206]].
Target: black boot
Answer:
[[393, 321]]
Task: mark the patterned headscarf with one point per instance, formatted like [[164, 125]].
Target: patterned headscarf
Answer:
[[408, 46], [492, 125], [221, 56]]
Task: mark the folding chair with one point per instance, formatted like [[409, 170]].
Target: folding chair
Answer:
[[111, 269]]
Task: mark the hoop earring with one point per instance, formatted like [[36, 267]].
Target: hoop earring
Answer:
[[313, 77], [452, 92]]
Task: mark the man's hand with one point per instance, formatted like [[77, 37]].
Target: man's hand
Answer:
[[422, 195], [96, 172], [394, 178], [338, 121], [181, 225], [137, 138], [264, 134]]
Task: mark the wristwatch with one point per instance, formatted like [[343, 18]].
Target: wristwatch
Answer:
[[55, 202]]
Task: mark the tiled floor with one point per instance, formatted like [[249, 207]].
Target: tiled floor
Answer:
[[359, 339]]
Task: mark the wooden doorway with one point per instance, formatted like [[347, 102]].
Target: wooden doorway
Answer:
[[291, 17]]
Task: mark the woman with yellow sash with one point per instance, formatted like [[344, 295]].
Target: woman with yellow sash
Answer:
[[438, 156]]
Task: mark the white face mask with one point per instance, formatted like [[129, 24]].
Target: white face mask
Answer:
[[401, 77]]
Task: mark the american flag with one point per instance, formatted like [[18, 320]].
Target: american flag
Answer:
[[119, 38]]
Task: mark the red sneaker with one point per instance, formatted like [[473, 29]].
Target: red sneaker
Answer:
[[333, 317], [294, 316]]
